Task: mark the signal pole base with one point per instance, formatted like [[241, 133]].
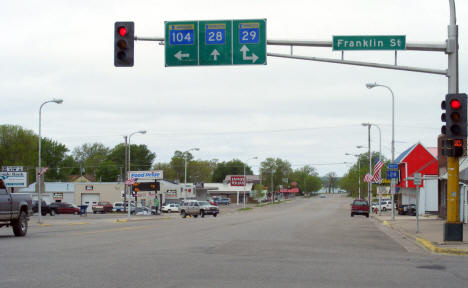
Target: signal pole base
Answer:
[[453, 232]]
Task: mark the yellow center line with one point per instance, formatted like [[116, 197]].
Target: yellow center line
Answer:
[[112, 230]]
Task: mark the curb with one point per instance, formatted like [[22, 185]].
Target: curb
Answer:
[[428, 244], [441, 250]]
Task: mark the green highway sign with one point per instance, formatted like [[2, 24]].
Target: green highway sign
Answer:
[[377, 42], [216, 42]]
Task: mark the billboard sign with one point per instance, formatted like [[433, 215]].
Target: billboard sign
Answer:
[[237, 181], [15, 179], [146, 175]]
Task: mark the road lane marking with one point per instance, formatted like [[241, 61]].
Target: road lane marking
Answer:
[[112, 230]]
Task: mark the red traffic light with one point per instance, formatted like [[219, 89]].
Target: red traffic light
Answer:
[[455, 104], [122, 31]]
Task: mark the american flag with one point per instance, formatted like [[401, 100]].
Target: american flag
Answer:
[[377, 167], [368, 178], [130, 181]]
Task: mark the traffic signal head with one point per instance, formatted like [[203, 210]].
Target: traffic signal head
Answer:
[[124, 33], [443, 117], [456, 116]]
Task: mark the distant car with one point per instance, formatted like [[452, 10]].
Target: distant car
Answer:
[[64, 208], [360, 207], [407, 210], [44, 208], [172, 207], [323, 196], [102, 207], [222, 201], [142, 211], [118, 207]]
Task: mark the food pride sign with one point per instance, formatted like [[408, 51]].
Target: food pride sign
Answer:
[[237, 180], [146, 175]]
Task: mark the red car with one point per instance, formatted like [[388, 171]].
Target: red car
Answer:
[[360, 207], [102, 207], [63, 208]]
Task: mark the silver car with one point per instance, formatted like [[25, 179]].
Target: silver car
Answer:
[[195, 208]]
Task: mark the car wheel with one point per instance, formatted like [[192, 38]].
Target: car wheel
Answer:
[[367, 215], [195, 215], [184, 215], [94, 212], [43, 213], [52, 212], [352, 214], [20, 226], [215, 214], [384, 209], [76, 212], [202, 213]]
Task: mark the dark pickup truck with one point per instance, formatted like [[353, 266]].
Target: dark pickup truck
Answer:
[[15, 209]]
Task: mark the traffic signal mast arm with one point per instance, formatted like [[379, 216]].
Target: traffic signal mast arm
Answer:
[[317, 43]]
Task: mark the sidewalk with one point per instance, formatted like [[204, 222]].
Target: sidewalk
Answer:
[[430, 235]]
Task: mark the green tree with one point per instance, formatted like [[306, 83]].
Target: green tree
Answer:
[[307, 179], [108, 171], [330, 181], [233, 167], [276, 170], [53, 155], [90, 156], [18, 147], [169, 173], [200, 171]]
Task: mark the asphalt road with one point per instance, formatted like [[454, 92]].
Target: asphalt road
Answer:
[[301, 243]]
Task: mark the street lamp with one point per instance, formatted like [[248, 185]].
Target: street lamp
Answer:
[[380, 152], [359, 172], [369, 185], [185, 177], [129, 169], [245, 180], [392, 183], [38, 177]]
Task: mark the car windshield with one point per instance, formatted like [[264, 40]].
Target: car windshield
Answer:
[[203, 203], [360, 202]]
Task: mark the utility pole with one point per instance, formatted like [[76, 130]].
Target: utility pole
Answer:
[[125, 174], [453, 228]]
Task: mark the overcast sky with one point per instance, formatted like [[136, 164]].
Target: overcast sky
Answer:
[[301, 111]]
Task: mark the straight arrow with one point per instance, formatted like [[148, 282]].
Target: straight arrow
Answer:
[[215, 54]]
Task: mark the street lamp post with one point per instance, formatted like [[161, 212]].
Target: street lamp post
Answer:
[[380, 154], [369, 186], [129, 169], [38, 177], [392, 181], [245, 180], [185, 177]]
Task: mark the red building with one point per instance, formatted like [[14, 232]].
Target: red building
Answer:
[[417, 159]]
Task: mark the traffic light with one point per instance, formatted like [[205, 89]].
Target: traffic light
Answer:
[[124, 33], [455, 117], [443, 117], [135, 188]]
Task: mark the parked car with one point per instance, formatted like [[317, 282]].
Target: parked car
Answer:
[[102, 207], [15, 209], [64, 208], [172, 207], [323, 196], [44, 208], [360, 207], [141, 211], [195, 208], [211, 200], [407, 210], [222, 201], [118, 207]]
